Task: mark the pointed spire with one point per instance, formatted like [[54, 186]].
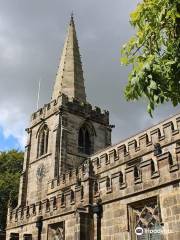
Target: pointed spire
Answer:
[[69, 79]]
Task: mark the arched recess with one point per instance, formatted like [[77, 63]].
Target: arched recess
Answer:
[[43, 138], [86, 138]]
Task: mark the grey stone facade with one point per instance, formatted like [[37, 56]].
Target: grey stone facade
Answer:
[[76, 186]]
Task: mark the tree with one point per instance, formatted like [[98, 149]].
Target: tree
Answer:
[[10, 169], [154, 53]]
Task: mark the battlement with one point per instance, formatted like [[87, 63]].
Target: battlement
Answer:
[[61, 203], [125, 169], [64, 195], [71, 177], [164, 133], [135, 177], [72, 105]]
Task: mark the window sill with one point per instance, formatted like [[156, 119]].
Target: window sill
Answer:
[[174, 168], [123, 185], [138, 180], [155, 175]]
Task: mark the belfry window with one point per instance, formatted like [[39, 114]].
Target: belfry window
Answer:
[[84, 141], [43, 141]]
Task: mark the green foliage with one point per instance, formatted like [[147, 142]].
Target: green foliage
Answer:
[[10, 168], [154, 53]]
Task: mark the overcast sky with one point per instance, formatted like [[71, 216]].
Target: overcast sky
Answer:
[[32, 35]]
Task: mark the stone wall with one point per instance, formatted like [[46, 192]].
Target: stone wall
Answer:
[[104, 194]]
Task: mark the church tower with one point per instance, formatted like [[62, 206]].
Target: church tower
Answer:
[[75, 186], [64, 132]]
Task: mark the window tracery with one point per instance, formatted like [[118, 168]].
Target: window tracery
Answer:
[[85, 140], [43, 138], [145, 220]]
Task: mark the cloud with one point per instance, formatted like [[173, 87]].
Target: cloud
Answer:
[[31, 39], [12, 123], [10, 48]]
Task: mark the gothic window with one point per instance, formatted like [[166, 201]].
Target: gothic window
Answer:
[[43, 141], [56, 231], [84, 141], [145, 221]]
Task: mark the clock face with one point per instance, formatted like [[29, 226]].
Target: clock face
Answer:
[[40, 172]]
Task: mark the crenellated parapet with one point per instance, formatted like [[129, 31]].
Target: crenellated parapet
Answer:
[[72, 105], [62, 202], [146, 173], [64, 196], [164, 134], [147, 161], [69, 178]]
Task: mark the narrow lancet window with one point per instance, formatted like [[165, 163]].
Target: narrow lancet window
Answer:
[[84, 141], [43, 141]]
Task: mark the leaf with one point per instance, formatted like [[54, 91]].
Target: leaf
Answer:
[[153, 52], [124, 60], [153, 84]]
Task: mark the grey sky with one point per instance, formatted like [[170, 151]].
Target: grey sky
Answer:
[[32, 35]]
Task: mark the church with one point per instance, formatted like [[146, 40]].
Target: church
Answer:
[[76, 185]]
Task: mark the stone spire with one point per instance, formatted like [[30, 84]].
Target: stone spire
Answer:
[[69, 79]]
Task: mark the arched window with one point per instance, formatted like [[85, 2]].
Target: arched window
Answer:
[[84, 141], [43, 141]]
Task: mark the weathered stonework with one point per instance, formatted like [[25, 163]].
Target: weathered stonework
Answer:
[[103, 193]]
